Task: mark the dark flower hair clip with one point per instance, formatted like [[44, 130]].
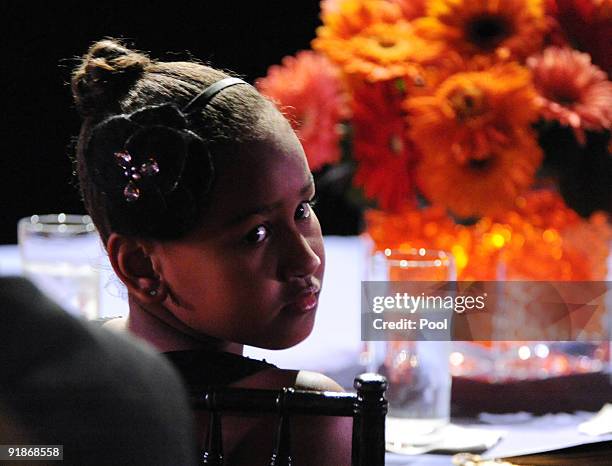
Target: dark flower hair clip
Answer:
[[152, 171], [131, 192]]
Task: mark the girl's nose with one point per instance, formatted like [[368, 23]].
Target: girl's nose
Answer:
[[299, 257]]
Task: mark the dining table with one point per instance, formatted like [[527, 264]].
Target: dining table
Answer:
[[336, 349]]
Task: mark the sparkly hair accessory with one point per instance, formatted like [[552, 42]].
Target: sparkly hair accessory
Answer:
[[148, 165], [131, 192]]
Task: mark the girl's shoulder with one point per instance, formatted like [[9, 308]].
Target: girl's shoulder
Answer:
[[206, 368], [307, 380], [218, 368], [274, 378]]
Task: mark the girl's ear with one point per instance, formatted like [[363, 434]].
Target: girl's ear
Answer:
[[133, 265]]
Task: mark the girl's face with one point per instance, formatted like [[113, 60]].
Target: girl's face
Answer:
[[252, 271]]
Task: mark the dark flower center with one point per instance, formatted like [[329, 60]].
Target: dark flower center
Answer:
[[565, 96], [488, 31], [467, 102], [481, 165], [386, 42]]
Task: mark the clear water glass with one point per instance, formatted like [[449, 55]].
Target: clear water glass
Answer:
[[60, 254], [418, 372]]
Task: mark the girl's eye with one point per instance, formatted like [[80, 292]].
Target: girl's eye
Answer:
[[304, 210], [257, 234]]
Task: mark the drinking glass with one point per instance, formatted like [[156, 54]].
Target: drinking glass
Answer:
[[533, 341], [417, 371], [60, 253]]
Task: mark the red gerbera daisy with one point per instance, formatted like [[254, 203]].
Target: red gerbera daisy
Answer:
[[384, 155], [572, 90], [308, 89]]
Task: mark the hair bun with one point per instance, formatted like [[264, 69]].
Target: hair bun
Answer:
[[106, 73]]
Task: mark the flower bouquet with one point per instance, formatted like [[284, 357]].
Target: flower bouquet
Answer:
[[477, 127]]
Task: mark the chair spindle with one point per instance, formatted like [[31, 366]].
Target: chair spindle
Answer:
[[281, 455], [212, 455], [369, 420]]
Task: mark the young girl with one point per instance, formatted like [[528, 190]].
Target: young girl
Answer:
[[203, 198]]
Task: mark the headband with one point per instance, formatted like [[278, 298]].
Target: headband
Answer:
[[204, 97]]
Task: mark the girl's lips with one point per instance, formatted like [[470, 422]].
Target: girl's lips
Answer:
[[306, 301]]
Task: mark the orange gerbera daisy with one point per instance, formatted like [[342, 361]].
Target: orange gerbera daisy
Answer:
[[345, 18], [474, 113], [385, 158], [506, 29], [411, 9], [308, 89], [572, 90], [479, 152], [380, 51], [481, 185]]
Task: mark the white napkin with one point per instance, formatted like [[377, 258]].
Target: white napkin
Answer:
[[449, 439], [600, 424]]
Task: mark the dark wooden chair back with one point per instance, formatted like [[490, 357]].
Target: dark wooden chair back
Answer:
[[367, 407]]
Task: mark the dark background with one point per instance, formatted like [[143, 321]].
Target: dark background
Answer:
[[39, 46]]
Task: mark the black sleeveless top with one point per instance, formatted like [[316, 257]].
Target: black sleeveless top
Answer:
[[205, 368]]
